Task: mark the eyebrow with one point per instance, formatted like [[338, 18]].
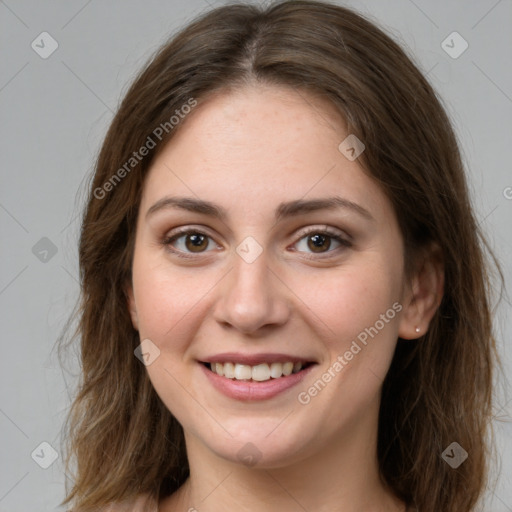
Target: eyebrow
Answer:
[[284, 210]]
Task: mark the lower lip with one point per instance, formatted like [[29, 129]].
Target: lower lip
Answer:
[[250, 390]]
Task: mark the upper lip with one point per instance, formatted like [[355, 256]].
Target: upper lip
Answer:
[[255, 359]]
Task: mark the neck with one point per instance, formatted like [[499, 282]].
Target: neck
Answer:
[[341, 476]]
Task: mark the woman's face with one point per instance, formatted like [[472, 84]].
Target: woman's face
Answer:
[[260, 244]]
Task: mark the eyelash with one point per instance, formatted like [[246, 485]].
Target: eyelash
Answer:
[[169, 240]]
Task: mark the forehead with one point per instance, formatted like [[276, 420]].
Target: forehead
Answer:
[[257, 146]]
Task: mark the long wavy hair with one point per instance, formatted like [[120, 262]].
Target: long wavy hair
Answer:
[[121, 439]]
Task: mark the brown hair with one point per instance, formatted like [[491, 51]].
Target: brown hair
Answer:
[[438, 390]]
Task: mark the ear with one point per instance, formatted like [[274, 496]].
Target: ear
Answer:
[[423, 294], [128, 291]]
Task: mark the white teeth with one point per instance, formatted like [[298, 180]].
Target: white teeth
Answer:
[[219, 368], [229, 370], [260, 372], [287, 368], [243, 372], [276, 370]]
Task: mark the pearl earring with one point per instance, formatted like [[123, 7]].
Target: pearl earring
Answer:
[[418, 329]]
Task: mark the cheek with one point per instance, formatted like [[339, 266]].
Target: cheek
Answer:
[[170, 306], [356, 312], [356, 309], [167, 301], [348, 300]]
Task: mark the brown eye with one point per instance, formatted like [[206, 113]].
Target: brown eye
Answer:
[[189, 242], [319, 243], [322, 242], [196, 242]]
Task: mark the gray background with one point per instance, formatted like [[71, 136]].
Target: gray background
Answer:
[[54, 114]]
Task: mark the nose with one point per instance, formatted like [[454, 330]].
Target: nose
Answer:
[[251, 297]]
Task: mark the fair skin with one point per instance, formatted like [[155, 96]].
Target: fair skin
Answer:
[[248, 152]]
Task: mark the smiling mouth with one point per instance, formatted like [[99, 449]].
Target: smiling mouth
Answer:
[[259, 373]]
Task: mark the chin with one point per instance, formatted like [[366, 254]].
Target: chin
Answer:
[[262, 444]]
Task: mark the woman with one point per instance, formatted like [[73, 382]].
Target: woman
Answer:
[[285, 301]]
